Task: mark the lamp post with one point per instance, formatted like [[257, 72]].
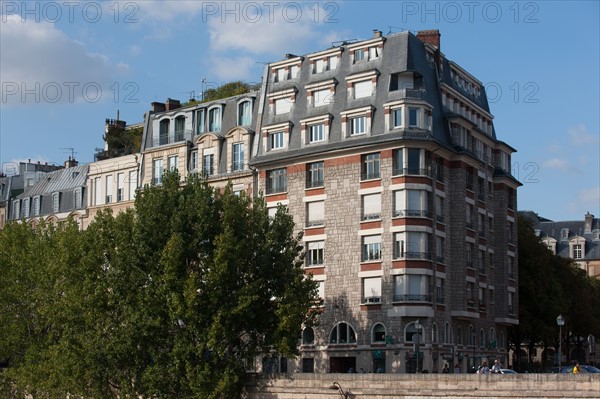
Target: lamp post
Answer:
[[560, 320], [418, 328], [336, 385]]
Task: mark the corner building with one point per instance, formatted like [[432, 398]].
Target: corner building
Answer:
[[385, 153]]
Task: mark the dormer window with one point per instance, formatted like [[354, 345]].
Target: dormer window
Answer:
[[362, 84], [26, 202], [16, 210], [214, 119], [245, 113], [281, 102], [324, 61], [276, 137], [316, 129], [55, 202], [365, 51], [36, 205], [356, 122], [200, 117], [577, 247], [286, 69], [321, 93]]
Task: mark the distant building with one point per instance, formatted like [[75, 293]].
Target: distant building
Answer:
[[577, 240]]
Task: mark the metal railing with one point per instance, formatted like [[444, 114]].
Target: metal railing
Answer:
[[412, 298]]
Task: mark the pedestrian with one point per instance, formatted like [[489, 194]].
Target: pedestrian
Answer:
[[576, 368], [496, 367], [456, 369], [446, 369], [483, 369]]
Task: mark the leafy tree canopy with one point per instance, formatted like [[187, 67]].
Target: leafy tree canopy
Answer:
[[226, 90], [172, 299]]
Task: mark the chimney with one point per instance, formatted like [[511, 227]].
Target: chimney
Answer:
[[172, 104], [158, 107], [376, 33], [69, 163], [430, 36], [587, 224]]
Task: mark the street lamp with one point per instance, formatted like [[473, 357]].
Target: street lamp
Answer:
[[560, 320], [416, 341], [336, 385]]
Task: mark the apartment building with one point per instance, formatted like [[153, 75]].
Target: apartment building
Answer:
[[385, 153], [576, 239]]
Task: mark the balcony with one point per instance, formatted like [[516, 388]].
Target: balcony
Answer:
[[411, 172], [371, 300], [412, 298], [412, 255], [419, 213], [371, 216], [315, 223], [412, 94], [172, 137]]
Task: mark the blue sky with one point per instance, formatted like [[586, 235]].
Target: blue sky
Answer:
[[66, 66]]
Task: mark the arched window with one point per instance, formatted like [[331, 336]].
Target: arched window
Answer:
[[447, 333], [179, 128], [378, 333], [164, 127], [214, 119], [308, 336], [245, 113], [459, 337], [342, 333], [411, 330], [471, 335], [493, 342], [434, 333]]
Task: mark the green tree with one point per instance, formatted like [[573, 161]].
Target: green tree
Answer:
[[171, 299]]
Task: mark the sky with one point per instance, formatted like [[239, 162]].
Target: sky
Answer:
[[66, 66]]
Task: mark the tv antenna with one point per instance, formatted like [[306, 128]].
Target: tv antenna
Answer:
[[71, 150]]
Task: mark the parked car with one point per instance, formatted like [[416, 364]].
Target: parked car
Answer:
[[585, 368], [508, 371], [590, 369]]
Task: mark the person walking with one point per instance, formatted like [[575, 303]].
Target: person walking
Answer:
[[576, 368]]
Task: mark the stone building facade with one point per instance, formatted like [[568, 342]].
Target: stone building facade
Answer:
[[384, 151]]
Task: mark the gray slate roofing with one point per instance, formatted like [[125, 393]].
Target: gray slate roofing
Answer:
[[58, 181]]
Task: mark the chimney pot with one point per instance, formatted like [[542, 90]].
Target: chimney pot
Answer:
[[430, 36]]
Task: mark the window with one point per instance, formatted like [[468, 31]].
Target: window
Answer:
[[370, 166], [245, 113], [439, 290], [439, 249], [55, 202], [577, 251], [359, 55], [276, 181], [200, 121], [132, 184], [97, 192], [164, 127], [238, 157], [469, 248], [276, 140], [371, 206], [325, 64], [411, 245], [315, 213], [371, 248], [214, 120], [314, 253], [308, 365], [411, 288], [510, 300], [434, 333], [208, 165], [316, 133], [372, 290], [322, 97], [179, 128], [16, 209], [25, 207], [283, 106], [447, 333], [481, 298], [172, 163], [157, 171], [397, 117], [36, 205], [470, 293], [510, 261], [315, 174], [342, 333], [408, 161], [413, 116], [109, 189], [357, 125], [194, 161], [120, 187], [373, 52], [378, 333], [411, 203], [439, 208], [363, 88], [308, 336]]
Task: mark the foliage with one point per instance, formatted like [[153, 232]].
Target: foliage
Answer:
[[230, 89], [171, 299], [121, 141], [550, 285]]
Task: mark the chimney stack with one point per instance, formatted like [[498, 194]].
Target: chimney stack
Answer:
[[158, 107], [430, 36], [69, 163], [172, 104], [376, 33], [587, 224]]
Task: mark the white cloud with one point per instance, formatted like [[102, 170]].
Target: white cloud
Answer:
[[164, 10], [39, 59], [231, 68], [580, 136], [587, 199], [556, 163]]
